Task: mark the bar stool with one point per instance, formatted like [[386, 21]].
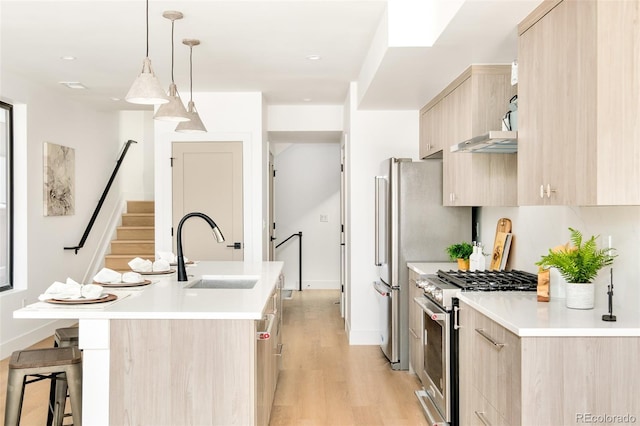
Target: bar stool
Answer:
[[62, 337], [66, 337], [62, 365]]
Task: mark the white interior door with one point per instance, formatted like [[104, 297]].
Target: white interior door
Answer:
[[207, 178]]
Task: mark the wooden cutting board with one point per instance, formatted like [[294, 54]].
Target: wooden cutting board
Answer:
[[502, 229]]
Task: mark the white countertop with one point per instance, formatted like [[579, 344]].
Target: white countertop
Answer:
[[522, 314], [424, 268], [167, 298]]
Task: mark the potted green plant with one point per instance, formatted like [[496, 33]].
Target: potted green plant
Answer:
[[578, 264], [460, 252]]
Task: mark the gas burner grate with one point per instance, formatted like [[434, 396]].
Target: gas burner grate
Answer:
[[491, 280]]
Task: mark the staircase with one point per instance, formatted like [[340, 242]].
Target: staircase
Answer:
[[135, 238]]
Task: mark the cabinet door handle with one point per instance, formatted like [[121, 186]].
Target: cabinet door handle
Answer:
[[541, 191], [482, 418], [280, 348], [266, 335], [549, 191], [496, 345], [413, 333]]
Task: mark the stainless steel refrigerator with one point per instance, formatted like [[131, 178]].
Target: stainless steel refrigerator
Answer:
[[411, 226]]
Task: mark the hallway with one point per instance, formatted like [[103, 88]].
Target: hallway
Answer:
[[324, 381]]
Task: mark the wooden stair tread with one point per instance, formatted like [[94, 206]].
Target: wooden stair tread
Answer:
[[136, 227], [131, 241]]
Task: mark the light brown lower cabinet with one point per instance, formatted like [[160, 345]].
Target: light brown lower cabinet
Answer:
[[194, 371], [511, 380]]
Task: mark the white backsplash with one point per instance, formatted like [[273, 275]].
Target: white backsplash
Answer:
[[536, 229]]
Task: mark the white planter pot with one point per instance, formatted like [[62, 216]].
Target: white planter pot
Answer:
[[558, 285], [580, 295]]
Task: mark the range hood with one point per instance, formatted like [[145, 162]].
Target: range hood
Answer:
[[494, 142]]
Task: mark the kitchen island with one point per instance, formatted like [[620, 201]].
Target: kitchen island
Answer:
[[524, 362], [168, 354]]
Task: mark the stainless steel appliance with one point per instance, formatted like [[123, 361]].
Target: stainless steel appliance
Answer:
[[439, 397], [411, 226]]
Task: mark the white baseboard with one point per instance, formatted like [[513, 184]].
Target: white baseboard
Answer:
[[32, 337]]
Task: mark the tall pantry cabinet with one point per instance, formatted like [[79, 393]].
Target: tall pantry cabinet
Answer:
[[579, 104]]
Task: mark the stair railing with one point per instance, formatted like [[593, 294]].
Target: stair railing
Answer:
[[298, 234], [102, 198]]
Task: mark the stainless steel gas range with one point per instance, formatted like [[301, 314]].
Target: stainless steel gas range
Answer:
[[439, 396]]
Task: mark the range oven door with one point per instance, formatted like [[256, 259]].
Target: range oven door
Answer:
[[436, 368]]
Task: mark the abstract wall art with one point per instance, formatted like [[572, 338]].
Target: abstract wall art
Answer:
[[59, 180]]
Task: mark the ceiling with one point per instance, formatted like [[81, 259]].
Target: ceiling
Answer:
[[259, 45]]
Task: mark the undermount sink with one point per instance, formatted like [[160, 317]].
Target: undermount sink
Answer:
[[240, 282]]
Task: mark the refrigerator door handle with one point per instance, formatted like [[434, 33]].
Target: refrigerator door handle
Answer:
[[377, 180], [381, 288]]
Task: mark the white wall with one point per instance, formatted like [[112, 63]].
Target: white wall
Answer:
[[39, 256], [373, 137], [536, 229], [227, 117], [137, 170], [307, 185]]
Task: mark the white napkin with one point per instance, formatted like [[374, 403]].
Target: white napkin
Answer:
[[108, 276], [140, 265], [161, 265], [166, 255], [169, 257], [131, 277], [71, 290]]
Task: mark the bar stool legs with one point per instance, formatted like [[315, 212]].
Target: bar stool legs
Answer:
[[29, 366], [62, 337]]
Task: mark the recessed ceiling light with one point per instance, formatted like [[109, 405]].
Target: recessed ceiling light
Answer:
[[68, 58], [314, 57], [115, 99], [73, 84], [306, 99]]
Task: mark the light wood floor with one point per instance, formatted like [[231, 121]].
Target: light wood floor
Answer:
[[323, 381]]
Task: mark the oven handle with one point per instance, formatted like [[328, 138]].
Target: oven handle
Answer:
[[436, 316]]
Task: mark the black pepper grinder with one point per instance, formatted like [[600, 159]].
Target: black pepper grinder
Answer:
[[610, 317]]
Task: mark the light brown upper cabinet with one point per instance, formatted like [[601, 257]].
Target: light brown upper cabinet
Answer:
[[473, 104], [579, 104]]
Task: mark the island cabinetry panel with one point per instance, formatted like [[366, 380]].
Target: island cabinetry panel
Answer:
[[416, 352], [268, 355], [578, 127], [511, 380], [179, 372], [473, 104]]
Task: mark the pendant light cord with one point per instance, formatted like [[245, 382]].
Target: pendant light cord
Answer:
[[172, 25], [190, 73], [147, 55]]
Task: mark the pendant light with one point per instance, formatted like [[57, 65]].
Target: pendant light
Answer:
[[146, 89], [195, 125], [174, 110]]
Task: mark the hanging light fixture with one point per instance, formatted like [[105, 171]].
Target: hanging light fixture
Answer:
[[174, 110], [195, 125], [146, 89]]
